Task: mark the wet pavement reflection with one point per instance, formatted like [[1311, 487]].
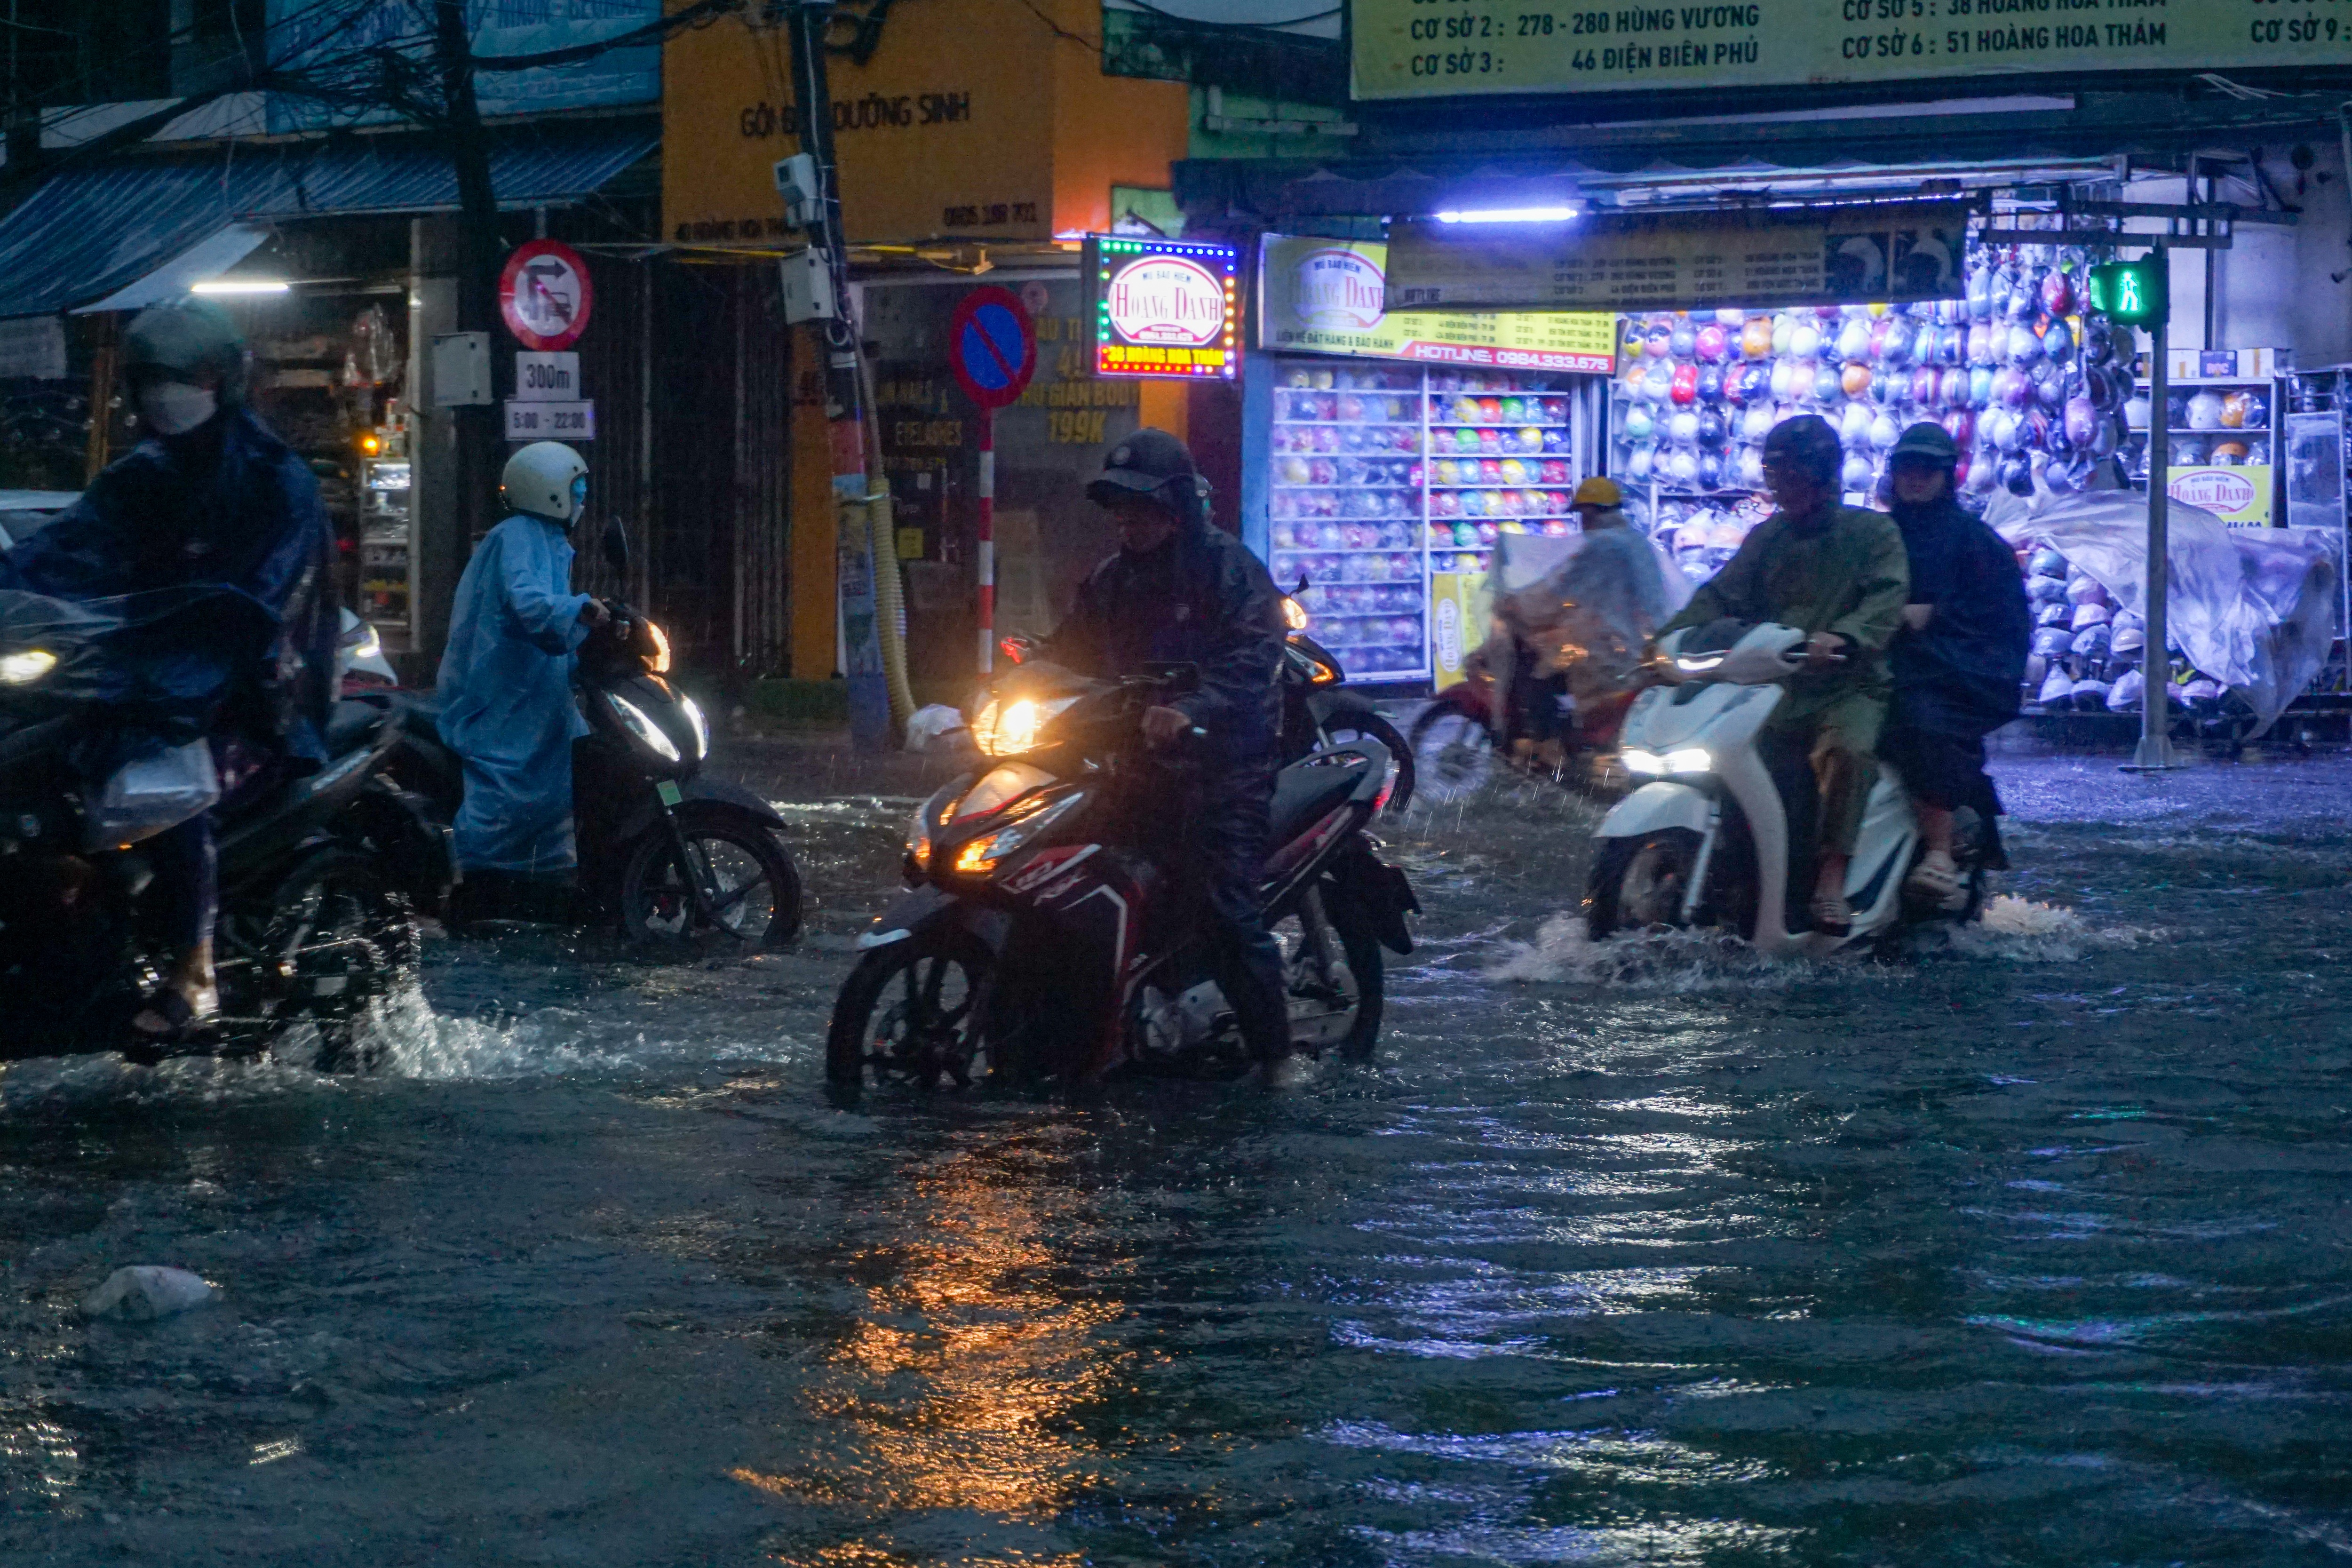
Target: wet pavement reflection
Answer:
[[2032, 1249]]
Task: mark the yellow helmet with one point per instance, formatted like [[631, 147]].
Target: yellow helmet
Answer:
[[1597, 491]]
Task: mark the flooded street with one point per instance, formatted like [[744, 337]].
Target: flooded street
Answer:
[[2037, 1249]]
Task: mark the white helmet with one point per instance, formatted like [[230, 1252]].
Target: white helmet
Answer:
[[540, 480]]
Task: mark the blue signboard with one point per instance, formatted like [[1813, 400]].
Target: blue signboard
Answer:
[[332, 40]]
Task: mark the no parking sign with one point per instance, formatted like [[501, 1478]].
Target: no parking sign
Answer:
[[992, 346], [992, 350]]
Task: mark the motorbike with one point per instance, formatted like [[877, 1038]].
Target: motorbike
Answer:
[[1319, 713], [317, 875], [1038, 939], [1718, 834], [1471, 725], [677, 858]]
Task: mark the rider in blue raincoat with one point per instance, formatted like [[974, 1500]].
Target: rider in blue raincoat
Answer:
[[506, 679]]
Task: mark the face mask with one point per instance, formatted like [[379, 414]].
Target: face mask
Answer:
[[174, 408]]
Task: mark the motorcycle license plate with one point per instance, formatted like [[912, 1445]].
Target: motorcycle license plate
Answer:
[[668, 793]]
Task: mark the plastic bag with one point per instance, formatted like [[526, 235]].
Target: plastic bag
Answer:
[[157, 790], [937, 728], [2255, 608]]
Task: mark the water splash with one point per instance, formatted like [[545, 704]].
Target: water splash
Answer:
[[1678, 962], [2022, 931]]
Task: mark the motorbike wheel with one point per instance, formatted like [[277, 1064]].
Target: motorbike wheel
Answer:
[[755, 888], [1454, 753], [910, 1011], [1348, 726], [346, 937], [1638, 883], [1322, 993]]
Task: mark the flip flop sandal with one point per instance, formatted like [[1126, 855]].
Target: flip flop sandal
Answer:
[[180, 1020], [1931, 880], [1832, 916]]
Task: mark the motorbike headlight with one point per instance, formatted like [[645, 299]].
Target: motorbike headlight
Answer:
[[919, 839], [1294, 613], [981, 855], [1682, 760], [658, 661], [642, 726], [1698, 663], [701, 725], [26, 667], [1008, 728]]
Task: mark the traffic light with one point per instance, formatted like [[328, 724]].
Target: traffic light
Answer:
[[2133, 293]]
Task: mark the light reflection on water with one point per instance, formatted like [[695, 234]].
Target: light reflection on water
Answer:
[[2030, 1252]]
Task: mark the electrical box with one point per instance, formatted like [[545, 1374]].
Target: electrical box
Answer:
[[796, 182], [461, 369], [808, 286]]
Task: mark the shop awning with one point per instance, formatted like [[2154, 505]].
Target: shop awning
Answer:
[[88, 237]]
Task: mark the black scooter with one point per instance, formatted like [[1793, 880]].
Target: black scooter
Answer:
[[317, 875], [1319, 713], [675, 856]]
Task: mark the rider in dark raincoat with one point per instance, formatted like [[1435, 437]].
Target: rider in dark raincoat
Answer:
[[212, 497], [1183, 591], [1957, 662]]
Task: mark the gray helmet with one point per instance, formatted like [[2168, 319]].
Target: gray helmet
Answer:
[[1926, 442], [187, 341], [1808, 444], [1150, 462]]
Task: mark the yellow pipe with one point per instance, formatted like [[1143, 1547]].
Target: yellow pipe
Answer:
[[891, 604]]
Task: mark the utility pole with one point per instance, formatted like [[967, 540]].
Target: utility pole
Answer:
[[478, 253], [2134, 295], [863, 597]]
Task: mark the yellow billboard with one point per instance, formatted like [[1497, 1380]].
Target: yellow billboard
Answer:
[[1411, 49], [968, 118], [1329, 296]]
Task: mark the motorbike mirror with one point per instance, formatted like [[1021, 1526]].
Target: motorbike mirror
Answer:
[[616, 544], [1303, 585]]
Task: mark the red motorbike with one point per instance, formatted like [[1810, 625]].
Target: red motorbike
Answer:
[[1041, 938]]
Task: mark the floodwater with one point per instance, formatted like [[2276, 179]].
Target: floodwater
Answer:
[[2035, 1250]]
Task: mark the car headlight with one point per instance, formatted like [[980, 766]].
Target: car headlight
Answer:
[[701, 725], [643, 727], [26, 667], [1682, 760], [980, 856], [1008, 728]]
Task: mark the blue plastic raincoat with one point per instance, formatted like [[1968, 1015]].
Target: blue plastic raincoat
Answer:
[[506, 699]]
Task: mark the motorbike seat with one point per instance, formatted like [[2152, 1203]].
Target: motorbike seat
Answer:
[[1306, 790], [351, 724]]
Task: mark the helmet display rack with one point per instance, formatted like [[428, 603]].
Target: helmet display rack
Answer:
[[1391, 482]]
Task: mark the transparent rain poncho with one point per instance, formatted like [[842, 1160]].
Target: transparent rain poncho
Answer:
[[1585, 605]]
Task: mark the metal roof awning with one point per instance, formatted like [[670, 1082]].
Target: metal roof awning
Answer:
[[98, 237]]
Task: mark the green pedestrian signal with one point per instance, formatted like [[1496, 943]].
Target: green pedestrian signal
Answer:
[[2131, 293]]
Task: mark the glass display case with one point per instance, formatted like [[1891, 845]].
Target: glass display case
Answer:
[[1383, 476], [387, 548]]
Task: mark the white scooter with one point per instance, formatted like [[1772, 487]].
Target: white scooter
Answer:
[[1705, 842]]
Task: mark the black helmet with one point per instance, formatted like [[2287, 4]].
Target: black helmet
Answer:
[[1926, 442], [1808, 444], [183, 341], [1153, 463]]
